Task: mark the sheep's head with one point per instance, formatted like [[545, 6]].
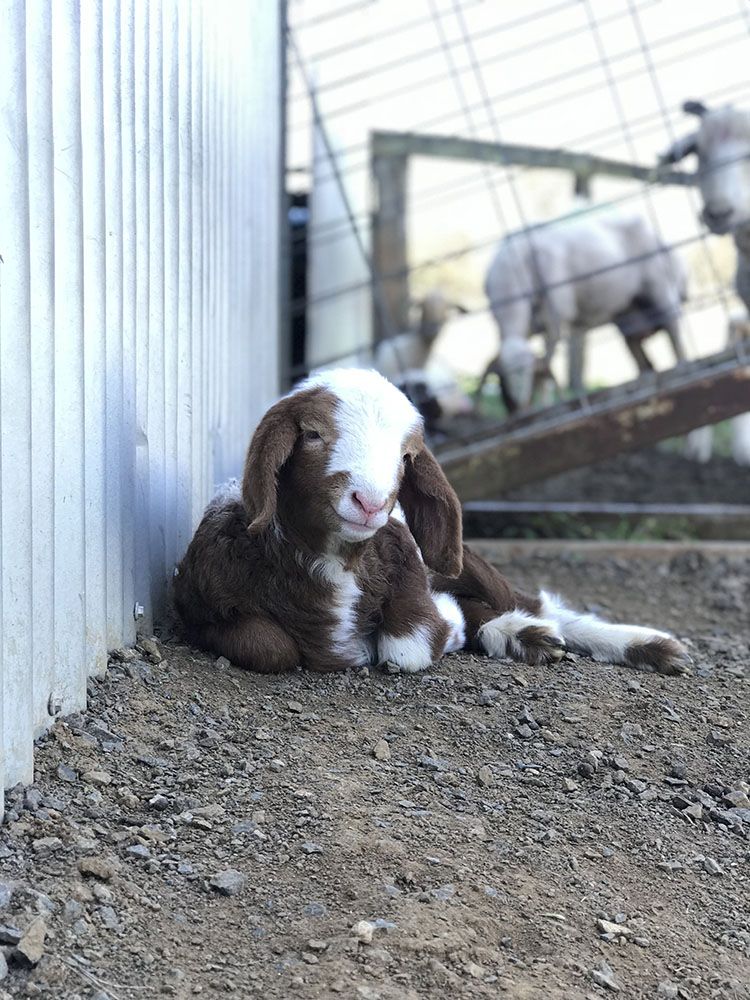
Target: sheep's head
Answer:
[[722, 144], [329, 461], [517, 365]]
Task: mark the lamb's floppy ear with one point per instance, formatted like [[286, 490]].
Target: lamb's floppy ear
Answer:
[[271, 445], [433, 513]]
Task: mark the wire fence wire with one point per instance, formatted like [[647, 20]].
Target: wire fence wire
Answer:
[[606, 80]]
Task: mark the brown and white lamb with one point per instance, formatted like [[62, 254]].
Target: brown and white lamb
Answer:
[[342, 547]]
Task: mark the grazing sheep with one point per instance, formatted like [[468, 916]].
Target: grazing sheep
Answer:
[[411, 349], [565, 279], [404, 360], [343, 547], [722, 144]]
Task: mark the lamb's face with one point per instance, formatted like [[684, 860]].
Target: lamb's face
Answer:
[[723, 148], [349, 460]]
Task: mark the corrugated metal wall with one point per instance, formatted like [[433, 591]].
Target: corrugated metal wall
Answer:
[[140, 182]]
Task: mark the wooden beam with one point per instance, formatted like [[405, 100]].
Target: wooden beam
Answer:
[[599, 425], [567, 519], [389, 256], [404, 144]]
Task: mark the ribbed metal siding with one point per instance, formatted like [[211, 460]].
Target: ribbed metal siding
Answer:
[[139, 226]]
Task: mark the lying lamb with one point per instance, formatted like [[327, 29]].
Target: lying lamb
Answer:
[[342, 547], [722, 143], [565, 279]]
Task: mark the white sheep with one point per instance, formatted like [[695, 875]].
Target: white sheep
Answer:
[[564, 279], [722, 143], [405, 359]]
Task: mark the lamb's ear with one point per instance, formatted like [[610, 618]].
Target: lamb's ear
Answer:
[[433, 513], [271, 445]]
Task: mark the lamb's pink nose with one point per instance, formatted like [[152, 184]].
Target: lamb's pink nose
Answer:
[[367, 506]]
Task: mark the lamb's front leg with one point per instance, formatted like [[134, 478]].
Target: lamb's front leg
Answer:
[[418, 628]]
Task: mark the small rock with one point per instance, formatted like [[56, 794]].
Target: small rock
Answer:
[[9, 934], [46, 845], [666, 989], [678, 771], [97, 777], [363, 931], [98, 867], [139, 851], [485, 777], [229, 883], [222, 663], [72, 910], [642, 942], [694, 811], [603, 975], [294, 706], [310, 848], [315, 944], [712, 867], [32, 799], [569, 785], [123, 655], [620, 763], [585, 769], [524, 732], [159, 802], [108, 916], [212, 811], [3, 967], [381, 750], [151, 648], [607, 927], [65, 773], [737, 799], [31, 946], [719, 739]]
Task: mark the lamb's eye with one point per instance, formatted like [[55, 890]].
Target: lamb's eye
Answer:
[[311, 437]]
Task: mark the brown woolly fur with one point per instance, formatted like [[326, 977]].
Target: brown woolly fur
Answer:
[[433, 513], [483, 594], [661, 656], [309, 410]]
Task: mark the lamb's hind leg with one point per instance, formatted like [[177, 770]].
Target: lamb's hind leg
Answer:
[[499, 620], [632, 645], [255, 643]]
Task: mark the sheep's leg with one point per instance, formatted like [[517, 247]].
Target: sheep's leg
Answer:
[[741, 439], [576, 359], [499, 620], [635, 347], [699, 444], [502, 621], [632, 645], [255, 643], [673, 332]]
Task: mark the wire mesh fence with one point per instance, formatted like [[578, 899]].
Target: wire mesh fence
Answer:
[[545, 118]]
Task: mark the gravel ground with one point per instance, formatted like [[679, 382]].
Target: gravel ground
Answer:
[[487, 829]]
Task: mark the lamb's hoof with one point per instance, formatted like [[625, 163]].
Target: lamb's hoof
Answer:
[[660, 656], [539, 645]]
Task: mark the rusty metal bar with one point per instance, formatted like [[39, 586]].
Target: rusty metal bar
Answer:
[[586, 430]]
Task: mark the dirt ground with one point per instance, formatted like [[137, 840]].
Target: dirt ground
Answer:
[[501, 830]]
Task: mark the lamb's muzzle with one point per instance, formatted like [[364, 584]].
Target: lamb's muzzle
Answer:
[[343, 547]]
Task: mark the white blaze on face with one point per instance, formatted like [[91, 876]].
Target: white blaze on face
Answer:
[[372, 418]]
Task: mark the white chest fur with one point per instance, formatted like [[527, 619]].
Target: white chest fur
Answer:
[[346, 641]]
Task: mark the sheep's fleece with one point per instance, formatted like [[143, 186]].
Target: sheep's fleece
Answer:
[[342, 547]]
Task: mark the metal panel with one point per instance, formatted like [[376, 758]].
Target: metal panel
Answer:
[[140, 207]]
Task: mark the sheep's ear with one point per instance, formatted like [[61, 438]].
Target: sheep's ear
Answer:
[[681, 148], [433, 513], [697, 108], [271, 446]]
